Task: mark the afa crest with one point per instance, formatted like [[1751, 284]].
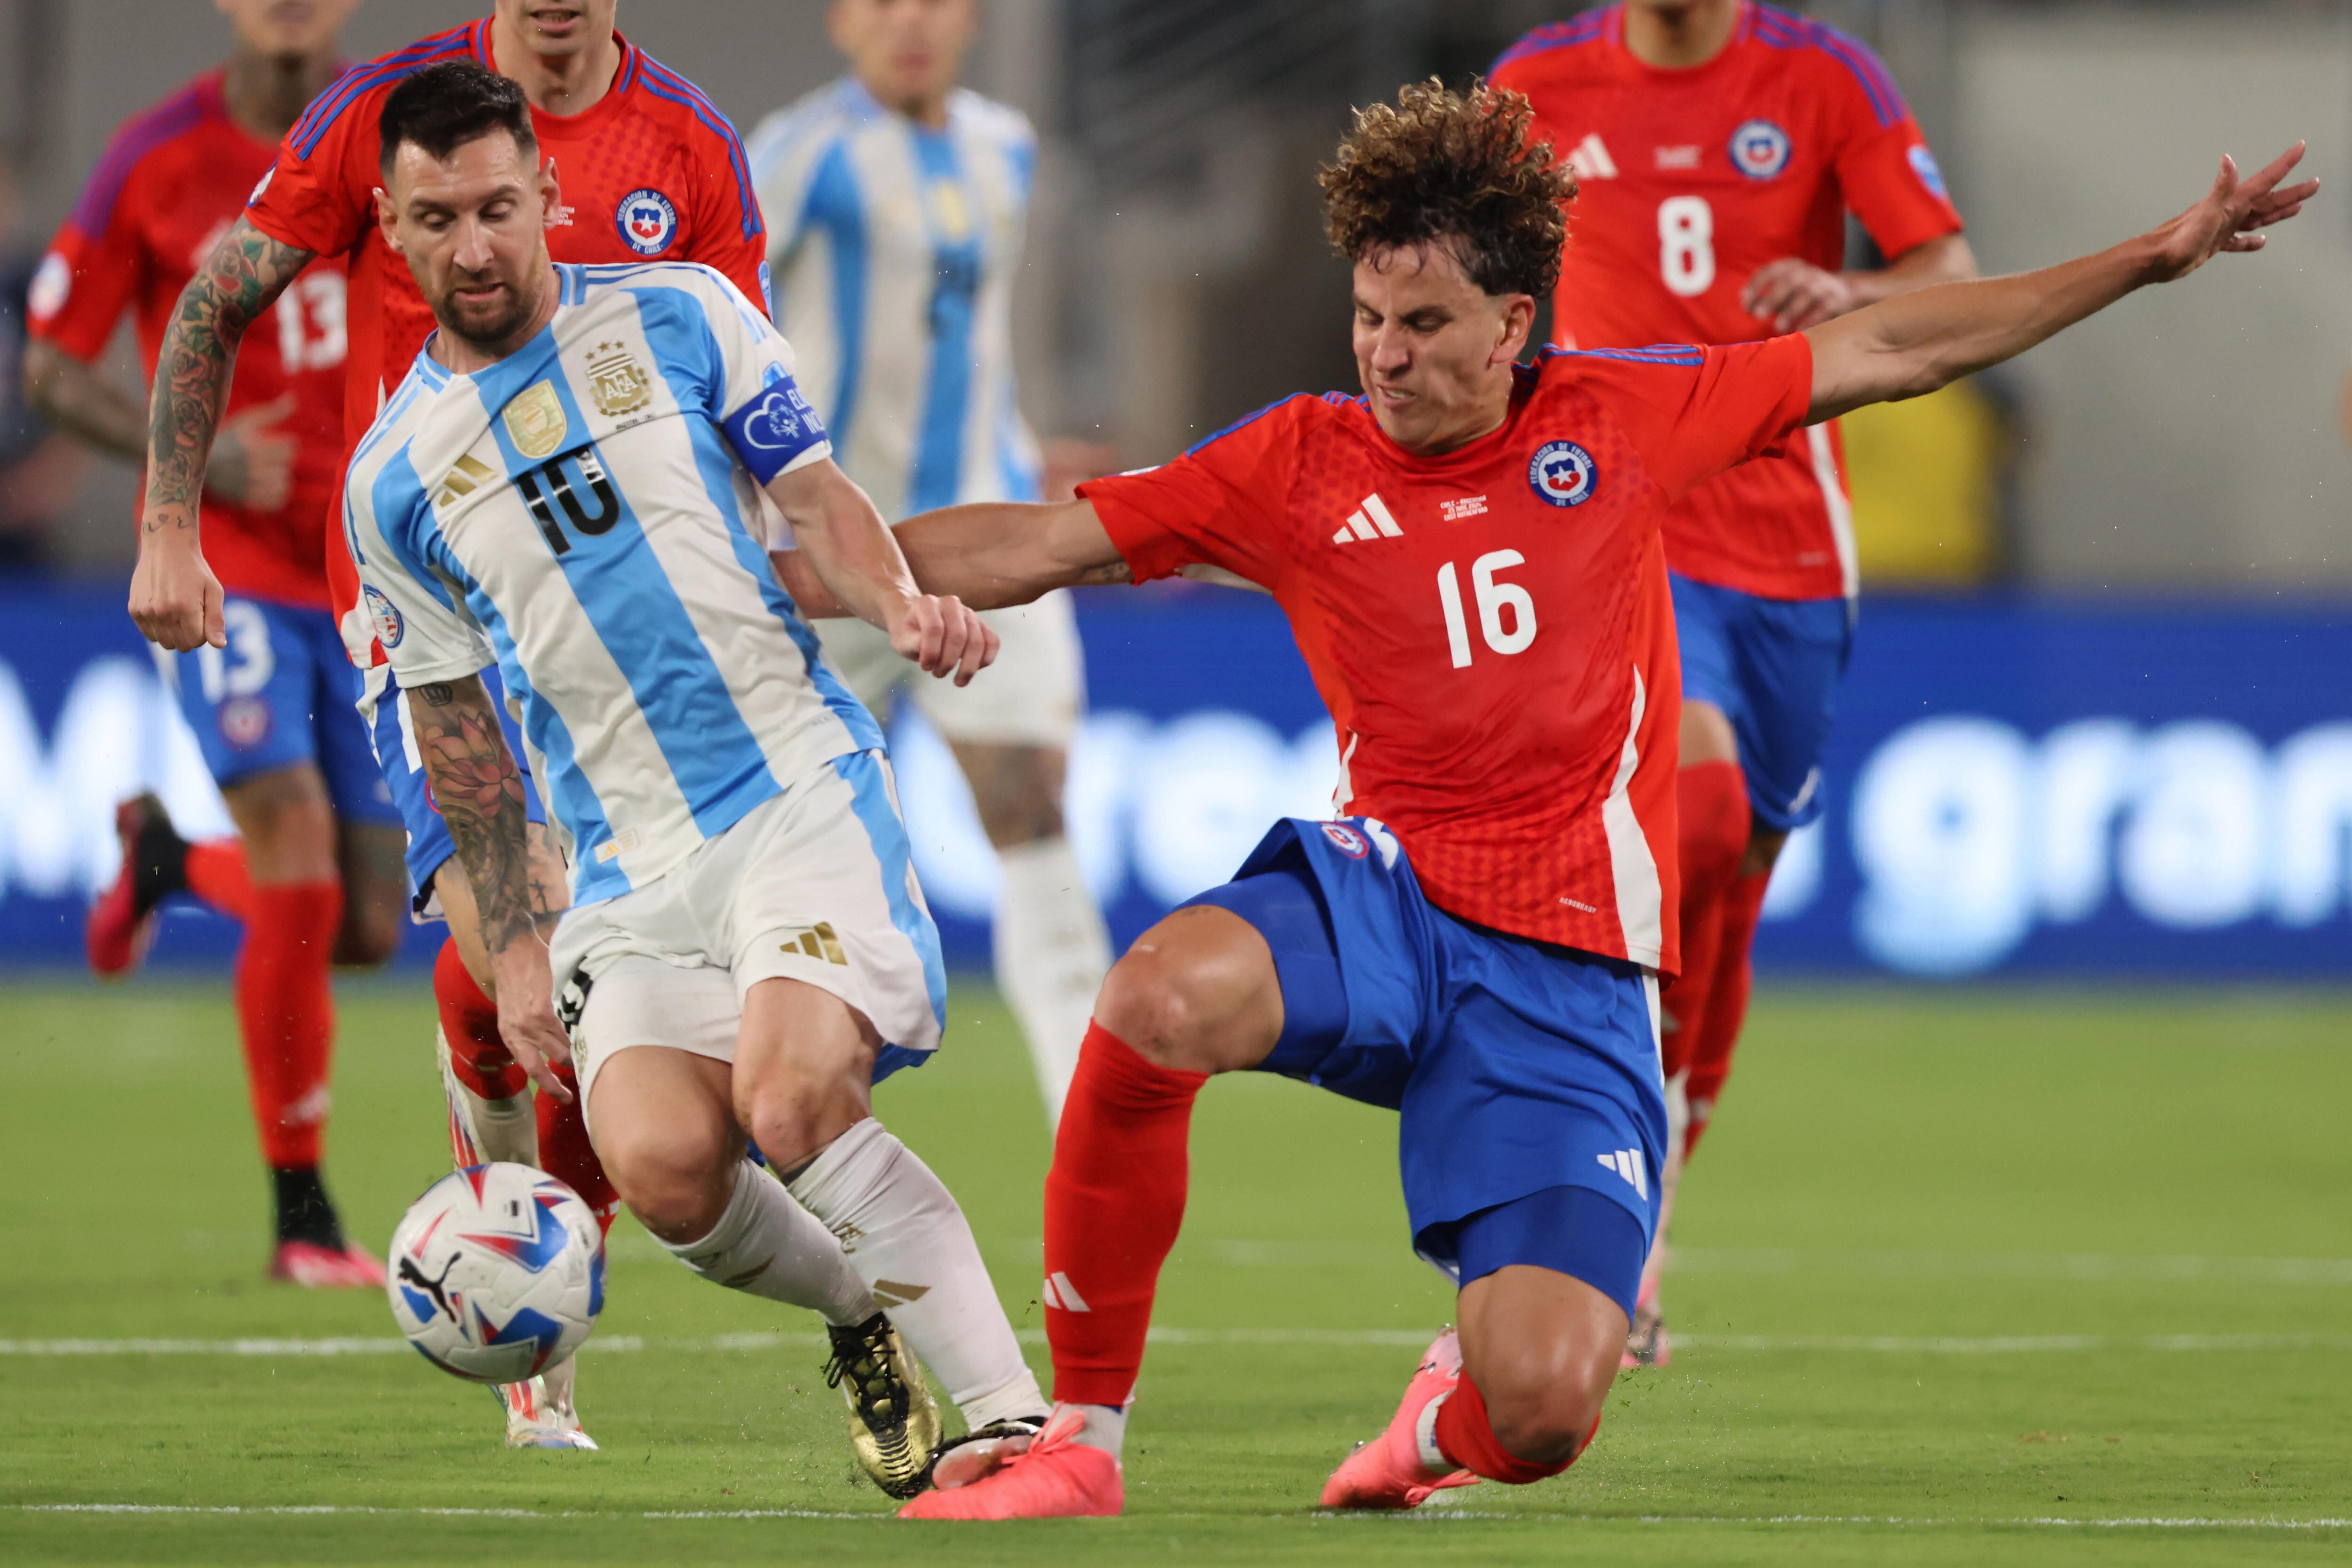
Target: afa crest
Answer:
[[618, 383]]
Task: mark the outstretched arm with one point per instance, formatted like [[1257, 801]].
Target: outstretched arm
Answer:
[[1793, 294], [860, 566], [479, 790], [174, 597], [1909, 346], [991, 554]]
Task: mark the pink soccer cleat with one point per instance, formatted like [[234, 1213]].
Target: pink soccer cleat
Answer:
[[1054, 1477], [1391, 1470], [1647, 1343], [317, 1268], [121, 924]]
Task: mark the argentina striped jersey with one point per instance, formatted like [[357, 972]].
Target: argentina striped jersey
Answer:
[[894, 247], [584, 515]]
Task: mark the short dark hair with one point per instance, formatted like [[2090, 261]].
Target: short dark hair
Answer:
[[1454, 168], [444, 106]]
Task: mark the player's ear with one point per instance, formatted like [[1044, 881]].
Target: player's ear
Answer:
[[550, 192], [387, 218], [1517, 325]]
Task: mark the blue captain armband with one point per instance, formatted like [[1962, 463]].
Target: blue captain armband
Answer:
[[775, 429]]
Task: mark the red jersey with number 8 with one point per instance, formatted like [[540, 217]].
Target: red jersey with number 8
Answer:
[[650, 172], [1491, 629], [1689, 182], [171, 185]]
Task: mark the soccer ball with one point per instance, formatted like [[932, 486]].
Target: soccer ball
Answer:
[[497, 1273]]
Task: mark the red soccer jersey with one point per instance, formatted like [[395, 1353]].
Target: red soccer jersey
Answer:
[[651, 171], [169, 185], [1491, 629], [1692, 180]]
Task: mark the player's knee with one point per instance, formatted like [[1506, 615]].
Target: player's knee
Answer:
[[1162, 1002], [1547, 1421], [793, 1121], [676, 1181], [370, 936]]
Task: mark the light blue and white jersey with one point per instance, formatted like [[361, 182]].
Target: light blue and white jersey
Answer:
[[893, 248], [584, 514]]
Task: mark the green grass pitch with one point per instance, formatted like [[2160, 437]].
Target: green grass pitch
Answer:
[[1966, 1278]]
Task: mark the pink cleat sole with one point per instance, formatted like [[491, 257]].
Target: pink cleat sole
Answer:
[[1055, 1477], [1388, 1472], [316, 1267]]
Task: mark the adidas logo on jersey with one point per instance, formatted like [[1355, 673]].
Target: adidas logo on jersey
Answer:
[[471, 475], [1591, 160], [1628, 1163], [1370, 520]]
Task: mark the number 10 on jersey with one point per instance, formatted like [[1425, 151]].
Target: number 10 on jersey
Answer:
[[1493, 598]]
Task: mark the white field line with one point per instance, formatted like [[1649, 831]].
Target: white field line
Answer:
[[2082, 1266], [1413, 1339], [1800, 1520]]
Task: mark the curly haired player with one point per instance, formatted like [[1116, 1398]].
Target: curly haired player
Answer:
[[1470, 556]]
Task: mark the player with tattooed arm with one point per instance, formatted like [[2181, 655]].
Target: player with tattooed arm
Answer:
[[1470, 554], [568, 486], [651, 170], [318, 845]]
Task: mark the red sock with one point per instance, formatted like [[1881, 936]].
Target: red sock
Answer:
[[286, 1011], [565, 1153], [1465, 1436], [1711, 804], [1114, 1202], [217, 874], [477, 1054], [1727, 1011]]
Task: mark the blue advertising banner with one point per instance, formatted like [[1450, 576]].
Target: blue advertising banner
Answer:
[[2015, 787]]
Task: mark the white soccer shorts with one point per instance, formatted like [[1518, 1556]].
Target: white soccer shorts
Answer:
[[1030, 697], [812, 885]]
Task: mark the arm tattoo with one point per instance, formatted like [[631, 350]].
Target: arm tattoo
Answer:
[[243, 275], [479, 788]]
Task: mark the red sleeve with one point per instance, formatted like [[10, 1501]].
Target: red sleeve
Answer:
[[320, 196], [730, 235], [1223, 503], [87, 280], [1695, 414], [1889, 177]]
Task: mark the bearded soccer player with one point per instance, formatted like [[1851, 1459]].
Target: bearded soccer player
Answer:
[[1472, 559], [747, 942], [1719, 145], [650, 172], [897, 204], [317, 879]]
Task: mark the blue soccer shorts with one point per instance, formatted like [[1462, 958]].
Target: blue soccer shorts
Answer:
[[1532, 1118], [1772, 665], [430, 848], [280, 696]]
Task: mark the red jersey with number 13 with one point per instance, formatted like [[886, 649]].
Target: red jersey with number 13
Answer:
[[1690, 181], [1491, 629], [651, 171], [171, 185]]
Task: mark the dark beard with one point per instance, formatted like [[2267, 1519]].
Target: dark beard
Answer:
[[497, 337]]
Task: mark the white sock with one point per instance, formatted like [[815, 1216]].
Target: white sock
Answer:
[[490, 1128], [1052, 952], [767, 1245], [904, 1233], [1103, 1426]]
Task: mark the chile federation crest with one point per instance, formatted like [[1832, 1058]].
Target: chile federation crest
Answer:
[[1562, 473], [648, 221], [1760, 150]]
